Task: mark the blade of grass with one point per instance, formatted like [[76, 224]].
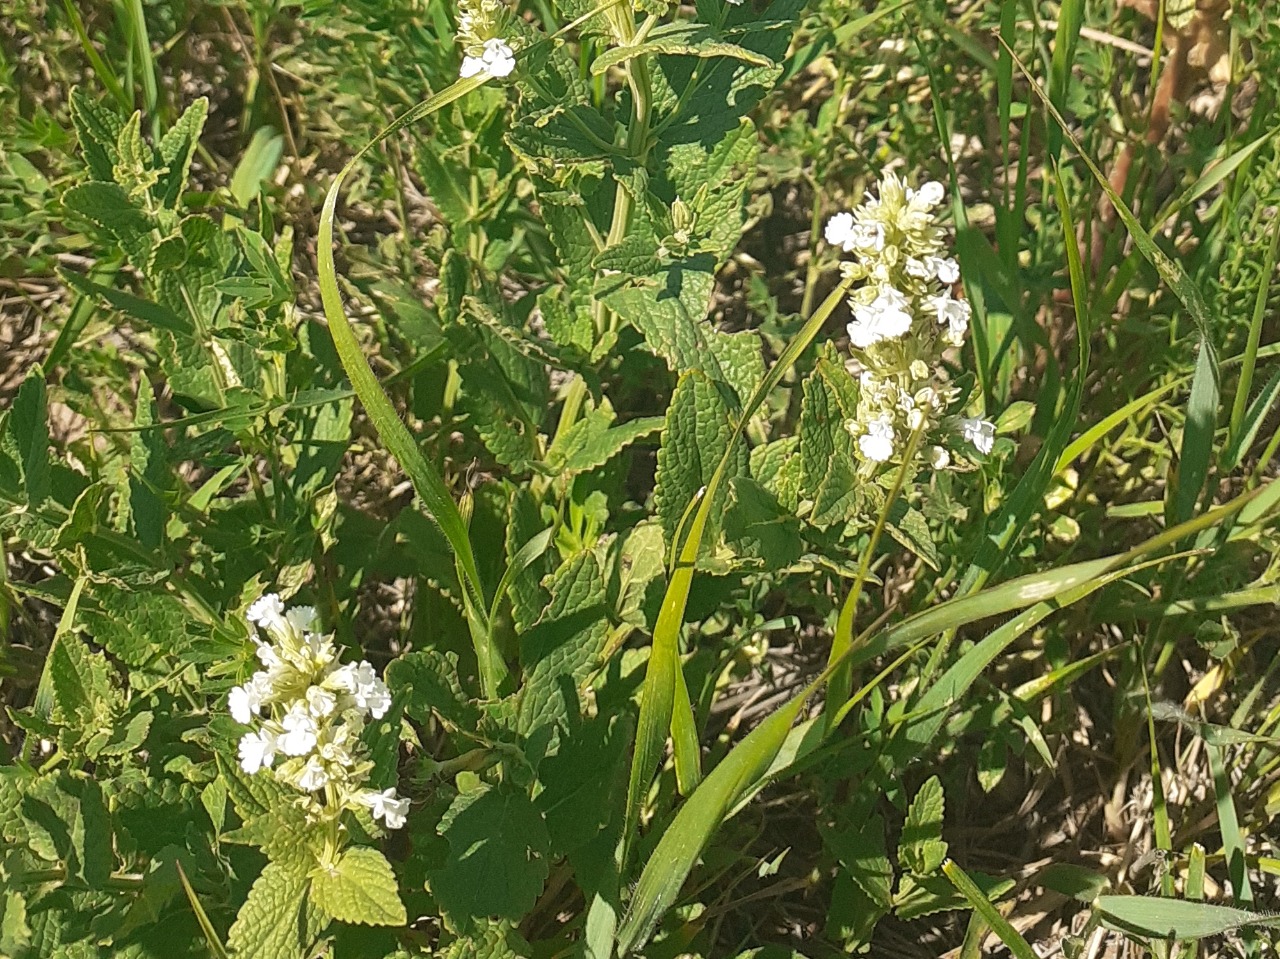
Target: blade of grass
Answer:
[[1070, 20], [202, 917], [1233, 840], [1182, 286], [1255, 337], [1159, 807], [1197, 436], [100, 66], [1027, 496], [427, 482], [1236, 447], [1093, 434], [752, 759], [740, 772], [1210, 178], [658, 698], [944, 695], [1012, 939]]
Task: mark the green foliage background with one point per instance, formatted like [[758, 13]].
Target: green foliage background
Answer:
[[661, 686]]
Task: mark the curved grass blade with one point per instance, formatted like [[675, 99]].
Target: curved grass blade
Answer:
[[1012, 939], [944, 695], [1255, 336], [210, 934], [427, 482], [1086, 440], [750, 761], [1027, 496], [660, 711]]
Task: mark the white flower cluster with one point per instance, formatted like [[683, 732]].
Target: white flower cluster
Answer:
[[480, 24], [309, 711], [904, 319]]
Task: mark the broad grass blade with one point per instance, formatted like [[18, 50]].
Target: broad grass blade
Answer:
[[1175, 919]]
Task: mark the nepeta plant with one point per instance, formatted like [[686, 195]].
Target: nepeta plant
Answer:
[[633, 469], [311, 711], [904, 318]]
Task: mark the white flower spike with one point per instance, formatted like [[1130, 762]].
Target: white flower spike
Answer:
[[307, 713], [904, 320]]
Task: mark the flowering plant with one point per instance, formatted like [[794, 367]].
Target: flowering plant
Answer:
[[644, 522], [311, 711], [904, 317]]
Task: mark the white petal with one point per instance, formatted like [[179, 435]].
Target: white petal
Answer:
[[238, 705]]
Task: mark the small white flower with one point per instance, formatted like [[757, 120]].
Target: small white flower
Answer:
[[944, 268], [981, 433], [386, 806], [319, 650], [930, 194], [257, 751], [939, 458], [885, 318], [244, 702], [954, 313], [839, 231], [918, 369], [919, 268], [320, 701], [267, 611], [333, 748], [299, 731], [876, 443], [868, 238], [362, 682], [241, 706], [267, 654], [497, 60], [312, 777], [302, 618], [915, 419]]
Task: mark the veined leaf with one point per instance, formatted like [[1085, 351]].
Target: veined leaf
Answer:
[[684, 39], [360, 888], [1175, 919]]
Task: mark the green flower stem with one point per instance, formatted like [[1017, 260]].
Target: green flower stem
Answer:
[[841, 683]]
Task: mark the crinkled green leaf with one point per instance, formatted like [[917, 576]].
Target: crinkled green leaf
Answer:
[[908, 526], [698, 431], [684, 39], [136, 625], [425, 681], [829, 470], [98, 129], [921, 848], [26, 437], [498, 855], [360, 888], [489, 940], [860, 849], [176, 149], [561, 649], [277, 920], [593, 440], [758, 527]]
